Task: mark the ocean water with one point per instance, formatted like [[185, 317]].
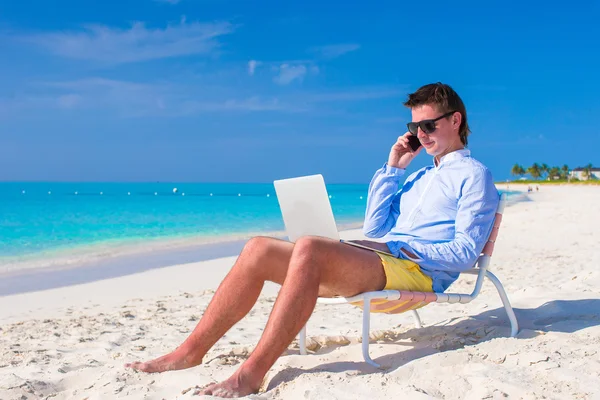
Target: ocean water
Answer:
[[44, 222]]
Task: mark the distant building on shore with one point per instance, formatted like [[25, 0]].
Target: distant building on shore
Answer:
[[578, 173]]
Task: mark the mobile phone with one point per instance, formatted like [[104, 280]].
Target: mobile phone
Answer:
[[414, 142]]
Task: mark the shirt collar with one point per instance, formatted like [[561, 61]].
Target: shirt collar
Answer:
[[455, 155]]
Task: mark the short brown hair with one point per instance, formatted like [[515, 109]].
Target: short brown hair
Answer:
[[445, 99]]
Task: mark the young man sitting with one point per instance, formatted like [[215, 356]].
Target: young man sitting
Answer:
[[435, 225]]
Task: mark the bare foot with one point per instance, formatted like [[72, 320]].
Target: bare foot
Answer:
[[170, 362], [236, 386]]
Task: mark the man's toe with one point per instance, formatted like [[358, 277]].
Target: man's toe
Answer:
[[205, 390], [139, 366]]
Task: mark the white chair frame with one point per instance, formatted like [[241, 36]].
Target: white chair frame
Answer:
[[480, 269]]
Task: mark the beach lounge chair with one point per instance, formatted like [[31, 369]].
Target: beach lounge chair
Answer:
[[402, 301]]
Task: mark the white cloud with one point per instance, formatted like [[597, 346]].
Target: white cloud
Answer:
[[29, 101], [334, 50], [94, 83], [133, 99], [183, 98], [366, 93], [68, 101], [253, 103], [289, 73], [252, 64], [126, 98], [285, 71], [138, 43]]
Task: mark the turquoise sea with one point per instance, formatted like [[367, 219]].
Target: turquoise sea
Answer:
[[44, 221], [65, 224]]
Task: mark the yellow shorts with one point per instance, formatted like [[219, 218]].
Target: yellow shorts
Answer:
[[400, 275], [404, 275]]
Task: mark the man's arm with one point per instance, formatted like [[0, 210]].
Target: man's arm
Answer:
[[476, 212], [380, 216]]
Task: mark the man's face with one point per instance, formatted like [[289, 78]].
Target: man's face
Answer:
[[445, 138]]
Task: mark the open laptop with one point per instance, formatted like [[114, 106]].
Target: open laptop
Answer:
[[306, 210]]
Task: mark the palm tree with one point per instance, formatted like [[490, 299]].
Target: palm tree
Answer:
[[534, 171], [544, 169], [587, 171], [564, 171], [554, 172], [517, 170]]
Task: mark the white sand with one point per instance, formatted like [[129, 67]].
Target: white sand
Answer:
[[71, 343]]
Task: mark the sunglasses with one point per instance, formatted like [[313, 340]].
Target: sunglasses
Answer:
[[427, 125]]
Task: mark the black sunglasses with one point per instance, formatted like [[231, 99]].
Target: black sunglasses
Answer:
[[427, 125]]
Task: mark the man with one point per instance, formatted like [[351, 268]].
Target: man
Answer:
[[435, 225]]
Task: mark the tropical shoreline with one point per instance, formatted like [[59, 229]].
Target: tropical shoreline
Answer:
[[89, 254], [105, 260]]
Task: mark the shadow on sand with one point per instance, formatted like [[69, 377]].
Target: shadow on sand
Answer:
[[566, 316]]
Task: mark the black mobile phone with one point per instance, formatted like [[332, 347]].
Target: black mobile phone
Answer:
[[414, 142]]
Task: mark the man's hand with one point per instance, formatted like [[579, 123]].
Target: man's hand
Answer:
[[401, 154]]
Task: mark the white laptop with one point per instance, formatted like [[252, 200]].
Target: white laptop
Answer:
[[305, 208]]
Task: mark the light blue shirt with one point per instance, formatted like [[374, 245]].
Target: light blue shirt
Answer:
[[442, 214]]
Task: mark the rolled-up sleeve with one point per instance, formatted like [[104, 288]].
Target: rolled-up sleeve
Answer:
[[381, 212]]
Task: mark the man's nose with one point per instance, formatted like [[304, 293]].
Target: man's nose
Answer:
[[421, 135]]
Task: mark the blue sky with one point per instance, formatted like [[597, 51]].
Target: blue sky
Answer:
[[241, 91]]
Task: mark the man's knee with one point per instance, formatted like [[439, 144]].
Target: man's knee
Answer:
[[307, 246], [265, 258], [310, 252], [257, 247]]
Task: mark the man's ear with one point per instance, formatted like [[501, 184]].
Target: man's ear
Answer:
[[457, 119]]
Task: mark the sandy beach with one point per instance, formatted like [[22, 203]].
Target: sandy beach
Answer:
[[72, 342]]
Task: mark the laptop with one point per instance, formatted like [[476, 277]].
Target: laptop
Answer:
[[306, 210]]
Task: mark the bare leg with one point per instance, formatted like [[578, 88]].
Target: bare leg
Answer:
[[318, 266], [262, 259]]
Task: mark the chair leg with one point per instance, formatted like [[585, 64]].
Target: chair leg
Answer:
[[365, 332], [302, 340], [417, 319], [514, 325]]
